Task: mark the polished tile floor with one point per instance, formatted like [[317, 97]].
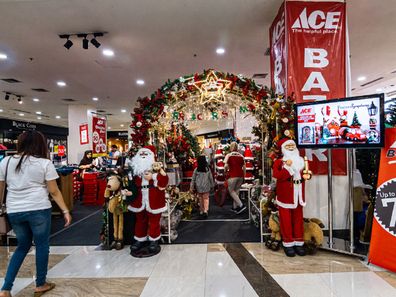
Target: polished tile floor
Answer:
[[213, 270]]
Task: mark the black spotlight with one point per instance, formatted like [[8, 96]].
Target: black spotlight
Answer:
[[95, 42], [85, 43], [7, 96], [68, 44]]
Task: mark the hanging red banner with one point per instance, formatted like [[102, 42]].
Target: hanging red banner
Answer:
[[308, 58], [278, 52], [99, 137], [383, 236], [316, 50]]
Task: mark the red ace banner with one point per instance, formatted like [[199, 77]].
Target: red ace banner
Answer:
[[278, 52], [383, 237], [316, 50], [308, 47], [99, 137]]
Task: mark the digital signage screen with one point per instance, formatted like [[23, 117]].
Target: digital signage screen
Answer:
[[341, 123]]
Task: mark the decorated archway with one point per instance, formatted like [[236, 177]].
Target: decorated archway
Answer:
[[212, 95]]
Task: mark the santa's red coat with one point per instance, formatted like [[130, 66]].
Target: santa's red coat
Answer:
[[285, 186], [150, 197]]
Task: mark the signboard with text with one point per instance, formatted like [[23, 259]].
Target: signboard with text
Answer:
[[99, 137], [84, 134]]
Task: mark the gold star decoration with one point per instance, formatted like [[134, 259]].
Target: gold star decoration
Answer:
[[212, 88]]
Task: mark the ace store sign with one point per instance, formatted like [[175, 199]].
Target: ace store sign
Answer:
[[308, 58]]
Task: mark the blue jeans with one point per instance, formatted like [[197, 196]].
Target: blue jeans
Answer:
[[29, 225]]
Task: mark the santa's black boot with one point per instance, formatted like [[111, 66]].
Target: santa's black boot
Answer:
[[289, 251], [136, 246], [300, 250], [154, 247]]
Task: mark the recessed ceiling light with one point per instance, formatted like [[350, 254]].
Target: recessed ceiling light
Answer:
[[122, 125], [38, 112], [109, 128], [61, 83], [108, 52], [1, 110], [140, 82], [20, 102], [361, 78], [39, 118], [36, 99], [220, 51], [57, 117], [123, 110], [379, 90], [95, 98], [21, 114], [3, 56]]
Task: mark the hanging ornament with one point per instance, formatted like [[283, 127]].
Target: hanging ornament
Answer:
[[199, 117], [193, 117], [224, 114], [285, 120], [215, 115], [175, 115], [212, 89], [138, 124], [287, 133], [181, 116]]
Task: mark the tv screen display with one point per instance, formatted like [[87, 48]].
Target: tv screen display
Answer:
[[348, 122]]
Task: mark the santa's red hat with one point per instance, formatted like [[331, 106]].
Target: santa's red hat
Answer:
[[248, 153], [151, 148], [283, 142]]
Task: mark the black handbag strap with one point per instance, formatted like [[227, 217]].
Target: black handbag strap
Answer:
[[5, 182]]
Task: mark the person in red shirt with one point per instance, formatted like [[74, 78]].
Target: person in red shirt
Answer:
[[234, 165]]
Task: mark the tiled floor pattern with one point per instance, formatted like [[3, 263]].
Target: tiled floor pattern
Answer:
[[201, 270]]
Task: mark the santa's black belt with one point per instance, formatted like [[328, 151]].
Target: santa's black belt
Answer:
[[296, 181], [146, 187]]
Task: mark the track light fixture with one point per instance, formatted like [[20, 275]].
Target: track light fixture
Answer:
[[85, 41], [17, 97]]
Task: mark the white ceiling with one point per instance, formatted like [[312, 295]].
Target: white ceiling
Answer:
[[155, 41]]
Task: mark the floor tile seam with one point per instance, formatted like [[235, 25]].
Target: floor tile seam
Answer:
[[249, 261]]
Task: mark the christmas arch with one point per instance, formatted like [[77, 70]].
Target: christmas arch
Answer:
[[211, 95]]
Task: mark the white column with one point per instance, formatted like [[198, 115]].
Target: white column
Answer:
[[78, 115]]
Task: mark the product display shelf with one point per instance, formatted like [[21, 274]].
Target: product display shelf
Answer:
[[258, 206], [171, 206]]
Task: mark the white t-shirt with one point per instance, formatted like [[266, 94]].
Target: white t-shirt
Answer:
[[27, 189]]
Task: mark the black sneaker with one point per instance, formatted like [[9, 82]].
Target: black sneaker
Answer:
[[234, 209], [240, 209]]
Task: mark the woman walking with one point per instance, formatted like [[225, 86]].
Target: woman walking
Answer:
[[30, 177], [202, 182]]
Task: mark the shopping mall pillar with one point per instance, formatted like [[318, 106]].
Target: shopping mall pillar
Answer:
[[77, 143]]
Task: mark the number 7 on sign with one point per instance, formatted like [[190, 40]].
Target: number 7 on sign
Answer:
[[385, 204]]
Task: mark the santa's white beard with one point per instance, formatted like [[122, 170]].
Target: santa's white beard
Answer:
[[297, 160], [140, 165]]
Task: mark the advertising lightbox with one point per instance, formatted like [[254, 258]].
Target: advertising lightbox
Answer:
[[341, 123]]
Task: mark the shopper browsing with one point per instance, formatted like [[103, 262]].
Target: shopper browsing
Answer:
[[234, 165], [202, 182], [114, 155], [30, 176]]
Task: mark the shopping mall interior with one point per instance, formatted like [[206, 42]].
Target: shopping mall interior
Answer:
[[228, 81]]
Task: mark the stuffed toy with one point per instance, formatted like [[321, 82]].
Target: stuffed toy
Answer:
[[313, 234], [116, 206]]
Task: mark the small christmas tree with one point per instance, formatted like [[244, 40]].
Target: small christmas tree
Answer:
[[391, 116], [355, 121]]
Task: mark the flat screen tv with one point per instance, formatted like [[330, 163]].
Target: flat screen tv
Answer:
[[353, 122]]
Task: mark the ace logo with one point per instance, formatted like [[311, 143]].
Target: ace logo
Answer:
[[317, 20]]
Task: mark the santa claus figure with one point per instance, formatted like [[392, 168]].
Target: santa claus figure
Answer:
[[290, 177], [151, 181]]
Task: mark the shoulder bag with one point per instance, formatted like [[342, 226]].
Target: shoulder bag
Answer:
[[4, 224]]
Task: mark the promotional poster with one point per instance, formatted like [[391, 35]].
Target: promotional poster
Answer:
[[349, 122], [99, 137]]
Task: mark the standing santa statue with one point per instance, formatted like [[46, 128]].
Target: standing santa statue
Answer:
[[151, 181], [290, 176]]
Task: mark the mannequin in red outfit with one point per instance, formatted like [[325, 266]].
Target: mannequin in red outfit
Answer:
[[290, 181]]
